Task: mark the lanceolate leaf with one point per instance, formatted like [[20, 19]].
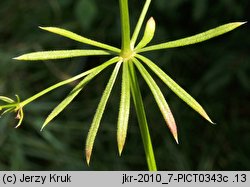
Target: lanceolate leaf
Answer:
[[72, 95], [8, 110], [195, 38], [139, 23], [79, 38], [105, 64], [123, 117], [57, 110], [160, 100], [99, 112], [60, 54], [6, 99], [175, 88], [148, 34]]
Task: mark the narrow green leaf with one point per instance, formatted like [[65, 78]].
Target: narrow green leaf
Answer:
[[148, 34], [8, 110], [99, 112], [11, 105], [76, 37], [142, 119], [60, 54], [195, 38], [123, 116], [175, 88], [159, 98], [30, 99], [139, 23], [17, 98], [6, 99], [57, 110]]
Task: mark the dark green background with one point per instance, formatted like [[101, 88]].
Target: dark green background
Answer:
[[215, 72]]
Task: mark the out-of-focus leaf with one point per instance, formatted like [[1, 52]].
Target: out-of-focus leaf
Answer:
[[85, 12], [19, 117], [7, 110], [200, 7], [6, 99]]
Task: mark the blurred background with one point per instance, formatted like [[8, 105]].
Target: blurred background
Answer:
[[216, 73]]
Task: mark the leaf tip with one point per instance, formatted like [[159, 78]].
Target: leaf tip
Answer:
[[43, 28], [121, 138], [151, 23], [22, 57], [148, 33], [120, 151], [120, 148], [213, 123], [17, 58], [19, 123], [242, 23], [207, 118], [88, 155], [237, 24], [176, 137], [43, 126]]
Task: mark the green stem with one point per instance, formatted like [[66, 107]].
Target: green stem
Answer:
[[142, 120], [125, 27]]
